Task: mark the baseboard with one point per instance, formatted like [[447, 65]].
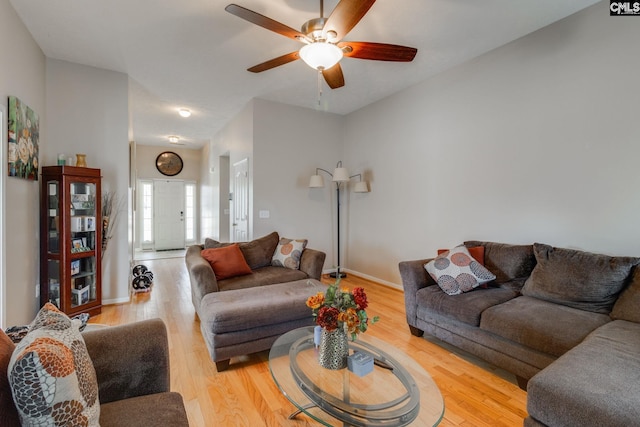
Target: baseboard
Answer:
[[373, 279], [115, 301]]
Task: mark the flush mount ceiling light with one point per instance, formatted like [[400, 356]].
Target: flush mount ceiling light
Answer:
[[184, 112], [174, 139]]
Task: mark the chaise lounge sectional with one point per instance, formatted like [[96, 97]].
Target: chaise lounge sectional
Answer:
[[246, 313], [565, 322]]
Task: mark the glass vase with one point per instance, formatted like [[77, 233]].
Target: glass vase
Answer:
[[334, 349]]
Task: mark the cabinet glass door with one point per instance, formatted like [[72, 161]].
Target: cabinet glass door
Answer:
[[83, 243], [53, 241], [53, 225]]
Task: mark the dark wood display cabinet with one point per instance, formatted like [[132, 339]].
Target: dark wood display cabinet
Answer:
[[71, 239]]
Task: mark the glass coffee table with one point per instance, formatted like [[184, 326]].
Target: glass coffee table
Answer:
[[398, 392]]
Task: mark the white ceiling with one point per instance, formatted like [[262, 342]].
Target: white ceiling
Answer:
[[193, 54]]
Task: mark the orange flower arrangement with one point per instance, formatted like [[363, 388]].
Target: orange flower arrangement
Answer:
[[339, 308]]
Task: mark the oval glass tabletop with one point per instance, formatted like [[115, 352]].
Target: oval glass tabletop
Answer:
[[398, 392]]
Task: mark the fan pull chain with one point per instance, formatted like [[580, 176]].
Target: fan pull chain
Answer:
[[319, 87]]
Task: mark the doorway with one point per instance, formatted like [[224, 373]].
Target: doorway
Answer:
[[167, 215], [240, 201]]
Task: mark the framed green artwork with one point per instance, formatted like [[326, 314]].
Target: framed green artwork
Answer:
[[23, 136]]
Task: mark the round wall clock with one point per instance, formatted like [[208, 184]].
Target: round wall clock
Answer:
[[169, 163]]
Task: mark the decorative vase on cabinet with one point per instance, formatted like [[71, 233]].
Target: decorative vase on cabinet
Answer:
[[81, 160], [70, 239]]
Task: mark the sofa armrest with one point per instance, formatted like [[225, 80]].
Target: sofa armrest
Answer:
[[201, 275], [130, 360], [311, 262], [414, 277]]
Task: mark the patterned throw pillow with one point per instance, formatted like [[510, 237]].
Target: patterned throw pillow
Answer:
[[51, 375], [288, 253], [476, 252], [456, 271]]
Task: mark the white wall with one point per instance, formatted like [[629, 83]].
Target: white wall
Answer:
[[22, 74], [88, 112], [234, 141], [534, 141], [289, 144], [207, 193], [285, 145]]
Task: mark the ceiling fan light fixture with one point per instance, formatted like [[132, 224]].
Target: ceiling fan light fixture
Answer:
[[321, 55]]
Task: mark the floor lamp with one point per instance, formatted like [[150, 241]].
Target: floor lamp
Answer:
[[340, 175]]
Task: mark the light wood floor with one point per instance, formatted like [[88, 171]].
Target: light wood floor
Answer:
[[245, 394]]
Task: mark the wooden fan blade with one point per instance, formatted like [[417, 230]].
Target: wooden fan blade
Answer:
[[264, 22], [333, 76], [275, 62], [378, 51], [346, 15]]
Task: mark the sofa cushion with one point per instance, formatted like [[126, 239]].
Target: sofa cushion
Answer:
[[211, 243], [288, 253], [8, 413], [242, 309], [595, 384], [544, 326], [456, 271], [166, 409], [226, 261], [506, 261], [259, 252], [51, 375], [466, 307], [262, 277], [577, 279], [627, 306]]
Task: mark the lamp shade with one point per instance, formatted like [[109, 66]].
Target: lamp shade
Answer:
[[340, 175], [316, 181], [361, 187], [320, 55]]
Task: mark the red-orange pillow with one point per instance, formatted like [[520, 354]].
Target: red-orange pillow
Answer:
[[227, 261], [477, 252]]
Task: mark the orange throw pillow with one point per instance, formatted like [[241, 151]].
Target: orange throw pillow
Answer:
[[227, 261]]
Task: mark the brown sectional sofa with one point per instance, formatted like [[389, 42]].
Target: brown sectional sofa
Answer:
[[247, 313], [565, 322]]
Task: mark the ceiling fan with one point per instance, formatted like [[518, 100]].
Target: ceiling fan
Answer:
[[323, 48]]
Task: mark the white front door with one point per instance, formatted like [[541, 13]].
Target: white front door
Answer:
[[240, 202], [168, 214]]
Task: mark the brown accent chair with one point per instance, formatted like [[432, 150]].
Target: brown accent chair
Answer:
[[132, 369]]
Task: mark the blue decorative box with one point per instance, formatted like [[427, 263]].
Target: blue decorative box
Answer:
[[360, 363]]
